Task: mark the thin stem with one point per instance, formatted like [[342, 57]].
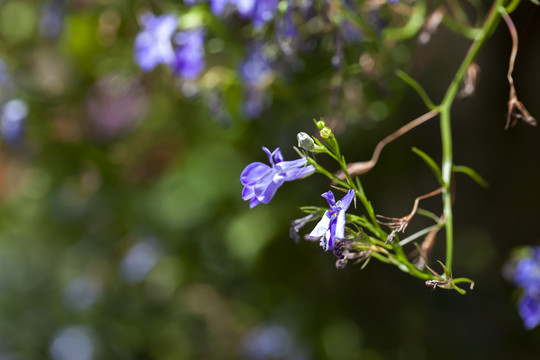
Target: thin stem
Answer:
[[446, 129]]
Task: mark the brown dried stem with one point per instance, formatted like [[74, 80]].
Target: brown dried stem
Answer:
[[516, 108], [400, 224], [362, 167]]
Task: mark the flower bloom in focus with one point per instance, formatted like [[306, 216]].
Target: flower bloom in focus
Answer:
[[262, 181], [332, 225], [527, 276], [153, 45], [189, 60]]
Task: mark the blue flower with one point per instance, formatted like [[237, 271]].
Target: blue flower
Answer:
[[258, 11], [189, 60], [529, 310], [262, 181], [256, 73], [12, 118], [527, 276], [218, 6], [527, 273], [332, 225], [153, 44]]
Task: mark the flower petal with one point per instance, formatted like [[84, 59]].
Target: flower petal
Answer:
[[345, 202], [248, 192], [253, 172], [277, 156], [290, 165], [254, 202], [269, 192], [270, 155], [296, 174], [329, 196], [331, 234], [340, 225], [321, 228]]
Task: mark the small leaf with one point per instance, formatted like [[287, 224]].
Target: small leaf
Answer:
[[431, 163], [417, 87], [472, 174]]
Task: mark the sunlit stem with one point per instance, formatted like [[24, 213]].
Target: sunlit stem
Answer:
[[446, 129]]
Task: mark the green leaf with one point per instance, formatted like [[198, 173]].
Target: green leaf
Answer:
[[417, 87], [472, 174], [431, 163]]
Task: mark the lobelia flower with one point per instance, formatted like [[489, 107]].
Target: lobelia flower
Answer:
[[332, 225], [529, 310], [12, 118], [189, 62], [153, 44], [527, 273], [527, 276], [262, 181], [259, 11], [218, 6]]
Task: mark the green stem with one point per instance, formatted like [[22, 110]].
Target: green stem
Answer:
[[446, 129]]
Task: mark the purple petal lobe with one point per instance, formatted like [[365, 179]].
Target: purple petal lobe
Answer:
[[329, 196], [253, 172], [344, 203]]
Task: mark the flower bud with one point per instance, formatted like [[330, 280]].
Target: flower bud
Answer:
[[326, 133], [307, 143], [320, 124]]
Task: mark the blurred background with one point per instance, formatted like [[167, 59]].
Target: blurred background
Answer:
[[123, 234]]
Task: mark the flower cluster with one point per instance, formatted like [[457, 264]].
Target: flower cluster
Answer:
[[160, 43], [262, 181], [527, 277], [350, 237]]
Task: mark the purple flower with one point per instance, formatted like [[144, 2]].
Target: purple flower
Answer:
[[256, 70], [218, 6], [256, 74], [259, 11], [529, 310], [153, 44], [332, 225], [262, 181], [12, 118], [189, 60], [527, 273]]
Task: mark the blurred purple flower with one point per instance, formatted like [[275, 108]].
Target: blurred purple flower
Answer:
[[258, 11], [218, 6], [262, 181], [256, 73], [527, 276], [13, 115], [527, 273], [153, 44], [529, 310], [189, 61], [51, 20], [256, 70], [332, 225]]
